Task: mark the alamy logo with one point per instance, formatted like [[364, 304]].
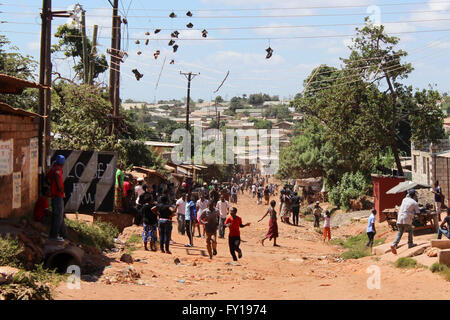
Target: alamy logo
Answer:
[[374, 280]]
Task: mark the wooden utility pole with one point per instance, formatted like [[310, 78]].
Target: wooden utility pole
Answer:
[[85, 50], [93, 54], [114, 73], [45, 79], [44, 94], [189, 76]]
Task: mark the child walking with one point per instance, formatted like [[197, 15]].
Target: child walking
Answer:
[[273, 226], [326, 226]]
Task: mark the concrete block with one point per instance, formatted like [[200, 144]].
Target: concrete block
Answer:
[[441, 244], [444, 257]]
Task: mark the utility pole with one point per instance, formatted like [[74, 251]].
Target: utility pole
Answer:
[[93, 54], [114, 73], [45, 79], [189, 76], [85, 51]]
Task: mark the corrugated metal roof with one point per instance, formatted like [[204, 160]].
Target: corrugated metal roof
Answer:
[[7, 109], [10, 84]]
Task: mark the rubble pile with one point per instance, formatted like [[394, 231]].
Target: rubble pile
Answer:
[[126, 276]]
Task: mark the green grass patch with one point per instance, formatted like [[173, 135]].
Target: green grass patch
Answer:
[[48, 276], [405, 263], [10, 252], [130, 250], [135, 238], [99, 234], [356, 246], [309, 218], [442, 269]]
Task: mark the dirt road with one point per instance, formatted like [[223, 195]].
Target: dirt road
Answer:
[[301, 268]]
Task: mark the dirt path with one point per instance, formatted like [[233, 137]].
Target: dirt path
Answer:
[[302, 268]]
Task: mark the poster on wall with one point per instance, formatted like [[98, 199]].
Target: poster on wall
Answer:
[[6, 157], [34, 163], [17, 197]]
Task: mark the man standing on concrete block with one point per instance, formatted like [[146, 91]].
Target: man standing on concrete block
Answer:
[[443, 230], [405, 218]]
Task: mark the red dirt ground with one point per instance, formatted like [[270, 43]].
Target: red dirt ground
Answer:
[[298, 269]]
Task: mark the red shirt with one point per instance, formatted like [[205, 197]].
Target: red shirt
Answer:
[[235, 226], [126, 187], [40, 207], [56, 172]]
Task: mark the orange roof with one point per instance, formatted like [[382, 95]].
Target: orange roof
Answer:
[[10, 84]]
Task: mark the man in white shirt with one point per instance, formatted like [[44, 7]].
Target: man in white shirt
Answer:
[[138, 189], [180, 210], [405, 217], [224, 208], [202, 205]]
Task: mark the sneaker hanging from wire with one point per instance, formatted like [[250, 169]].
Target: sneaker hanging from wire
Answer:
[[189, 25], [157, 31], [269, 52], [137, 74], [175, 48], [189, 14], [173, 15]]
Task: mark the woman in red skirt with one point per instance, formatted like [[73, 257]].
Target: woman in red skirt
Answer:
[[273, 226]]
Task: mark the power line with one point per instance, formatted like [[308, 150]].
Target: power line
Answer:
[[254, 38], [267, 9], [258, 16], [257, 27]]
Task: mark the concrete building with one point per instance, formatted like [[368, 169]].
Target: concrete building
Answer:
[[430, 162]]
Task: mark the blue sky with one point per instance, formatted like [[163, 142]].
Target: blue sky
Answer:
[[226, 49]]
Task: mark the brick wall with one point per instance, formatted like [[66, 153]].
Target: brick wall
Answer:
[[24, 132]]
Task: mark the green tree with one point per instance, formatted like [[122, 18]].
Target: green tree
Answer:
[[79, 120], [13, 63], [71, 44]]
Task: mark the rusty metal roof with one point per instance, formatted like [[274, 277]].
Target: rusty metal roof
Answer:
[[7, 109], [10, 84]]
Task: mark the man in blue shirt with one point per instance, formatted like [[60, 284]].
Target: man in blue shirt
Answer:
[[371, 228], [189, 216]]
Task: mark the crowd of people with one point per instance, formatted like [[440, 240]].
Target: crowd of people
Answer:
[[206, 211]]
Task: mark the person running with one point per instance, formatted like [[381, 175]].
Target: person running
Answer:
[[253, 190], [234, 223], [190, 215], [150, 222], [317, 211], [405, 218], [327, 226], [295, 206], [201, 205], [209, 219], [273, 226], [165, 212], [370, 230], [224, 209]]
